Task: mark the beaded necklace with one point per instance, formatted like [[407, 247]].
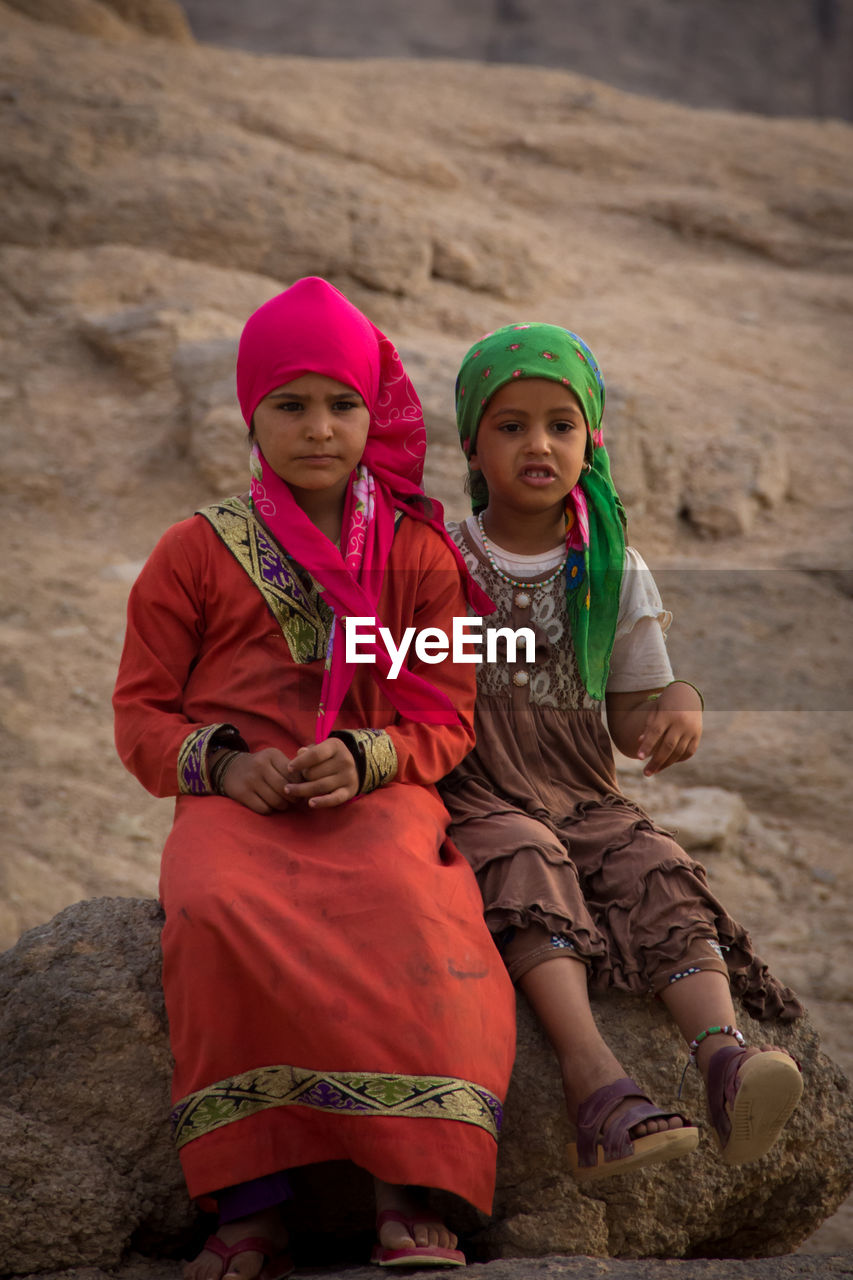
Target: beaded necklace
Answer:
[[522, 599]]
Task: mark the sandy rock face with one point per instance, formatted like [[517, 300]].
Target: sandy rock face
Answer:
[[115, 20], [85, 1098], [710, 53]]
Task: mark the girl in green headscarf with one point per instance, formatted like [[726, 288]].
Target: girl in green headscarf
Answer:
[[570, 869]]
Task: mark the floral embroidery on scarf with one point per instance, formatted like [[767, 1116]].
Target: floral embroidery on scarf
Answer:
[[364, 501], [574, 570]]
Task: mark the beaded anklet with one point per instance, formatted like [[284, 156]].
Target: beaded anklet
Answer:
[[713, 1031], [703, 1035]]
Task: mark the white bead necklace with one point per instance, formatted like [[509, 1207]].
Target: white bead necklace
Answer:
[[522, 599]]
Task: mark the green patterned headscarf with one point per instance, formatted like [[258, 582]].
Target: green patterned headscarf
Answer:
[[595, 517]]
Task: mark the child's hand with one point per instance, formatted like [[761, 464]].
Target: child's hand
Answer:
[[672, 729], [324, 774], [257, 779]]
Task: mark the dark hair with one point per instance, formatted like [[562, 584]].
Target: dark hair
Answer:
[[419, 504]]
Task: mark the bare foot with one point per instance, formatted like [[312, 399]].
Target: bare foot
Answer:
[[425, 1228], [243, 1266], [645, 1127], [640, 1130]]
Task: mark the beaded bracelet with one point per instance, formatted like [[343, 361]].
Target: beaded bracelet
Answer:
[[713, 1031], [653, 697]]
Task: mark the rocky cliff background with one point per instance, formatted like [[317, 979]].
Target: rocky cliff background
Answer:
[[156, 190], [778, 57]]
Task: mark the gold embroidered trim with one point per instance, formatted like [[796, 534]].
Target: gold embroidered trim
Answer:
[[375, 756], [301, 612], [380, 757], [366, 1093], [193, 777], [193, 773]]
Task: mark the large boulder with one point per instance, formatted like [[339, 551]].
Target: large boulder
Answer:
[[85, 1091], [84, 1082]]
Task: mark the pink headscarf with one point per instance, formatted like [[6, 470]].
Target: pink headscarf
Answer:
[[313, 328]]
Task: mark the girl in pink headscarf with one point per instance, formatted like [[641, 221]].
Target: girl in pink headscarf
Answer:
[[332, 990]]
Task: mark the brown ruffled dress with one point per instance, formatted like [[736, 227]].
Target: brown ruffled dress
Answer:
[[568, 865]]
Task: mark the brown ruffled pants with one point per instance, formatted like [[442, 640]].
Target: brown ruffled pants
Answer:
[[614, 891]]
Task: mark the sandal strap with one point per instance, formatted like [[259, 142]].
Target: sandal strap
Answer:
[[722, 1087], [617, 1141], [597, 1106], [250, 1244], [595, 1109]]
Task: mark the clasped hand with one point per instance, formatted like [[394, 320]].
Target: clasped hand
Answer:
[[672, 728], [322, 775]]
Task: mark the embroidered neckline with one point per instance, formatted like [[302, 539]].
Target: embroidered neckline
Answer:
[[291, 594]]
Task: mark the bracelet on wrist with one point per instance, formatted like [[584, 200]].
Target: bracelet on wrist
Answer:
[[219, 769], [653, 697]]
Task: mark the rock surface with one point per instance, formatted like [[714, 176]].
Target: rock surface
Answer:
[[709, 53], [156, 191], [554, 1268], [85, 1088], [114, 20], [84, 1083]]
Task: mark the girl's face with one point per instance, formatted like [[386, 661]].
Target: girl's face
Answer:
[[531, 445], [312, 432]]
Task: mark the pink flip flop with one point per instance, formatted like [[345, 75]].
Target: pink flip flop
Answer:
[[422, 1255], [277, 1263]]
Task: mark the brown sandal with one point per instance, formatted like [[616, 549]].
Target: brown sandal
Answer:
[[750, 1099], [599, 1153]]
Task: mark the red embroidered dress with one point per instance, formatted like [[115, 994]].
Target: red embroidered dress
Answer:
[[332, 990]]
